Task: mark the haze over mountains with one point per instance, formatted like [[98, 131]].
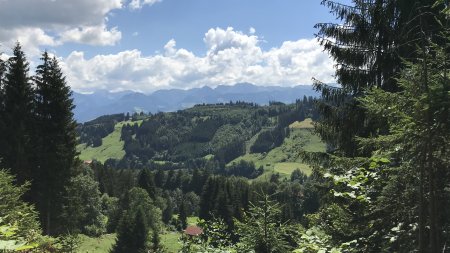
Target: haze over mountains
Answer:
[[90, 106]]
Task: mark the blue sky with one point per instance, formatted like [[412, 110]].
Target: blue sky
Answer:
[[146, 45]]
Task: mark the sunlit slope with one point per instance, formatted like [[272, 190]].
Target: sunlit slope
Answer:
[[286, 158], [112, 146]]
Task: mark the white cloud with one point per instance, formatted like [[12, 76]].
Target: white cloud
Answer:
[[252, 30], [55, 13], [92, 35], [138, 4], [38, 23], [29, 38], [231, 57]]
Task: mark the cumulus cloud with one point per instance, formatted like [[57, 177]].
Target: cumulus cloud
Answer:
[[56, 22], [92, 35], [29, 37], [231, 57], [138, 4]]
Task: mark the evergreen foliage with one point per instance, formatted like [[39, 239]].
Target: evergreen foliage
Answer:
[[17, 109], [368, 47], [55, 146], [82, 211], [392, 201], [13, 210], [262, 231], [138, 218]]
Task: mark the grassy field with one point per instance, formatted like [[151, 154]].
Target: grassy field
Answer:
[[306, 124], [287, 168], [171, 242], [285, 158], [112, 146], [96, 245], [103, 244]]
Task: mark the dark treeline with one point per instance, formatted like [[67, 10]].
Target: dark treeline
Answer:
[[93, 131], [274, 137], [198, 192], [37, 132]]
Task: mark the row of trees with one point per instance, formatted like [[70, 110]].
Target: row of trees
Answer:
[[37, 131]]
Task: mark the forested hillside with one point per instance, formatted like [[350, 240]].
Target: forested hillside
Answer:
[[221, 132]]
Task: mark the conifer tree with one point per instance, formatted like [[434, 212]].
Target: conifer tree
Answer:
[[16, 116], [262, 230], [55, 149], [368, 46], [139, 217], [132, 233], [2, 99], [146, 181], [182, 216], [419, 119]]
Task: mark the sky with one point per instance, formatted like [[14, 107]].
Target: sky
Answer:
[[146, 45]]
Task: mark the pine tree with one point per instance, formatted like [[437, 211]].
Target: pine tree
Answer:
[[368, 49], [262, 230], [16, 116], [139, 218], [55, 149], [146, 181], [2, 102], [393, 202], [182, 216], [419, 119], [132, 233]]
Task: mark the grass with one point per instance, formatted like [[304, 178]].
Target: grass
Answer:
[[286, 158], [171, 242], [104, 243], [192, 220], [170, 239], [287, 168], [101, 244], [307, 123], [112, 146]]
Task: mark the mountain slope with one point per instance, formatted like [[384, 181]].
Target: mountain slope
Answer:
[[90, 106]]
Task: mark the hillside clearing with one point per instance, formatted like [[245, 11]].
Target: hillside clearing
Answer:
[[286, 158], [112, 146]]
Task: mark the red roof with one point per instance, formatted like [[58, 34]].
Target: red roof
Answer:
[[193, 230]]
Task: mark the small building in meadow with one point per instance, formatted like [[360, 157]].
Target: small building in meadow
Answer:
[[193, 231]]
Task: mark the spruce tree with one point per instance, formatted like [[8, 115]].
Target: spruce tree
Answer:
[[132, 233], [182, 216], [146, 181], [16, 116], [368, 45], [55, 149], [139, 217], [2, 101]]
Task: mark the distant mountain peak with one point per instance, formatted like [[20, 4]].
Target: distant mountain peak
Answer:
[[102, 102]]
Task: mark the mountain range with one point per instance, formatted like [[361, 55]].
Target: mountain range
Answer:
[[103, 102]]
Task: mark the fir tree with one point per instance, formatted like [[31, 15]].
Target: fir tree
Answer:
[[368, 47], [16, 116], [182, 215], [55, 149], [147, 182], [139, 217], [262, 231], [132, 233]]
